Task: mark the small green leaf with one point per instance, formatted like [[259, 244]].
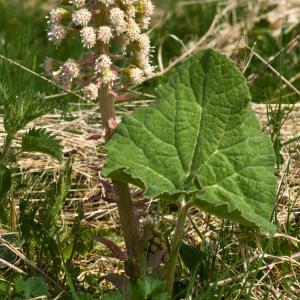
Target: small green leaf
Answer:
[[67, 251], [21, 109], [31, 287], [200, 139], [4, 287], [113, 296], [57, 194], [38, 140], [85, 296], [148, 288], [191, 256], [5, 180]]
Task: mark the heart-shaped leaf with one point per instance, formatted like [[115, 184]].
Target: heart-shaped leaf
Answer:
[[200, 139]]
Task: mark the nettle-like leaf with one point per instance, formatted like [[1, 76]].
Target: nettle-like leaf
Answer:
[[148, 288], [31, 287], [200, 140], [38, 140], [21, 109], [57, 194]]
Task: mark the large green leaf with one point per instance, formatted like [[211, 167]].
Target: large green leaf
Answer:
[[38, 140], [200, 139]]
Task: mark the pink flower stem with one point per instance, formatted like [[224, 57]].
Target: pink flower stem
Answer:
[[136, 261]]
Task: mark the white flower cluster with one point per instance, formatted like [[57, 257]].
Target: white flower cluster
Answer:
[[81, 17], [99, 24], [70, 69]]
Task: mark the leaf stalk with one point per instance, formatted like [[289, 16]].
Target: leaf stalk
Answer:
[[183, 207]]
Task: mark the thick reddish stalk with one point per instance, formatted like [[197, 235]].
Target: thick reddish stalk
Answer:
[[136, 262]]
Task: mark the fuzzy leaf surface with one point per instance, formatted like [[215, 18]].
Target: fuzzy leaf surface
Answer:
[[38, 140], [200, 139]]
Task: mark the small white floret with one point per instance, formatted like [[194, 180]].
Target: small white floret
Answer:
[[81, 17], [70, 69], [109, 76], [144, 44], [102, 63], [117, 19], [77, 3], [107, 2], [91, 91], [133, 30], [105, 34], [56, 33], [48, 65], [136, 75], [148, 7], [88, 37], [56, 15]]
